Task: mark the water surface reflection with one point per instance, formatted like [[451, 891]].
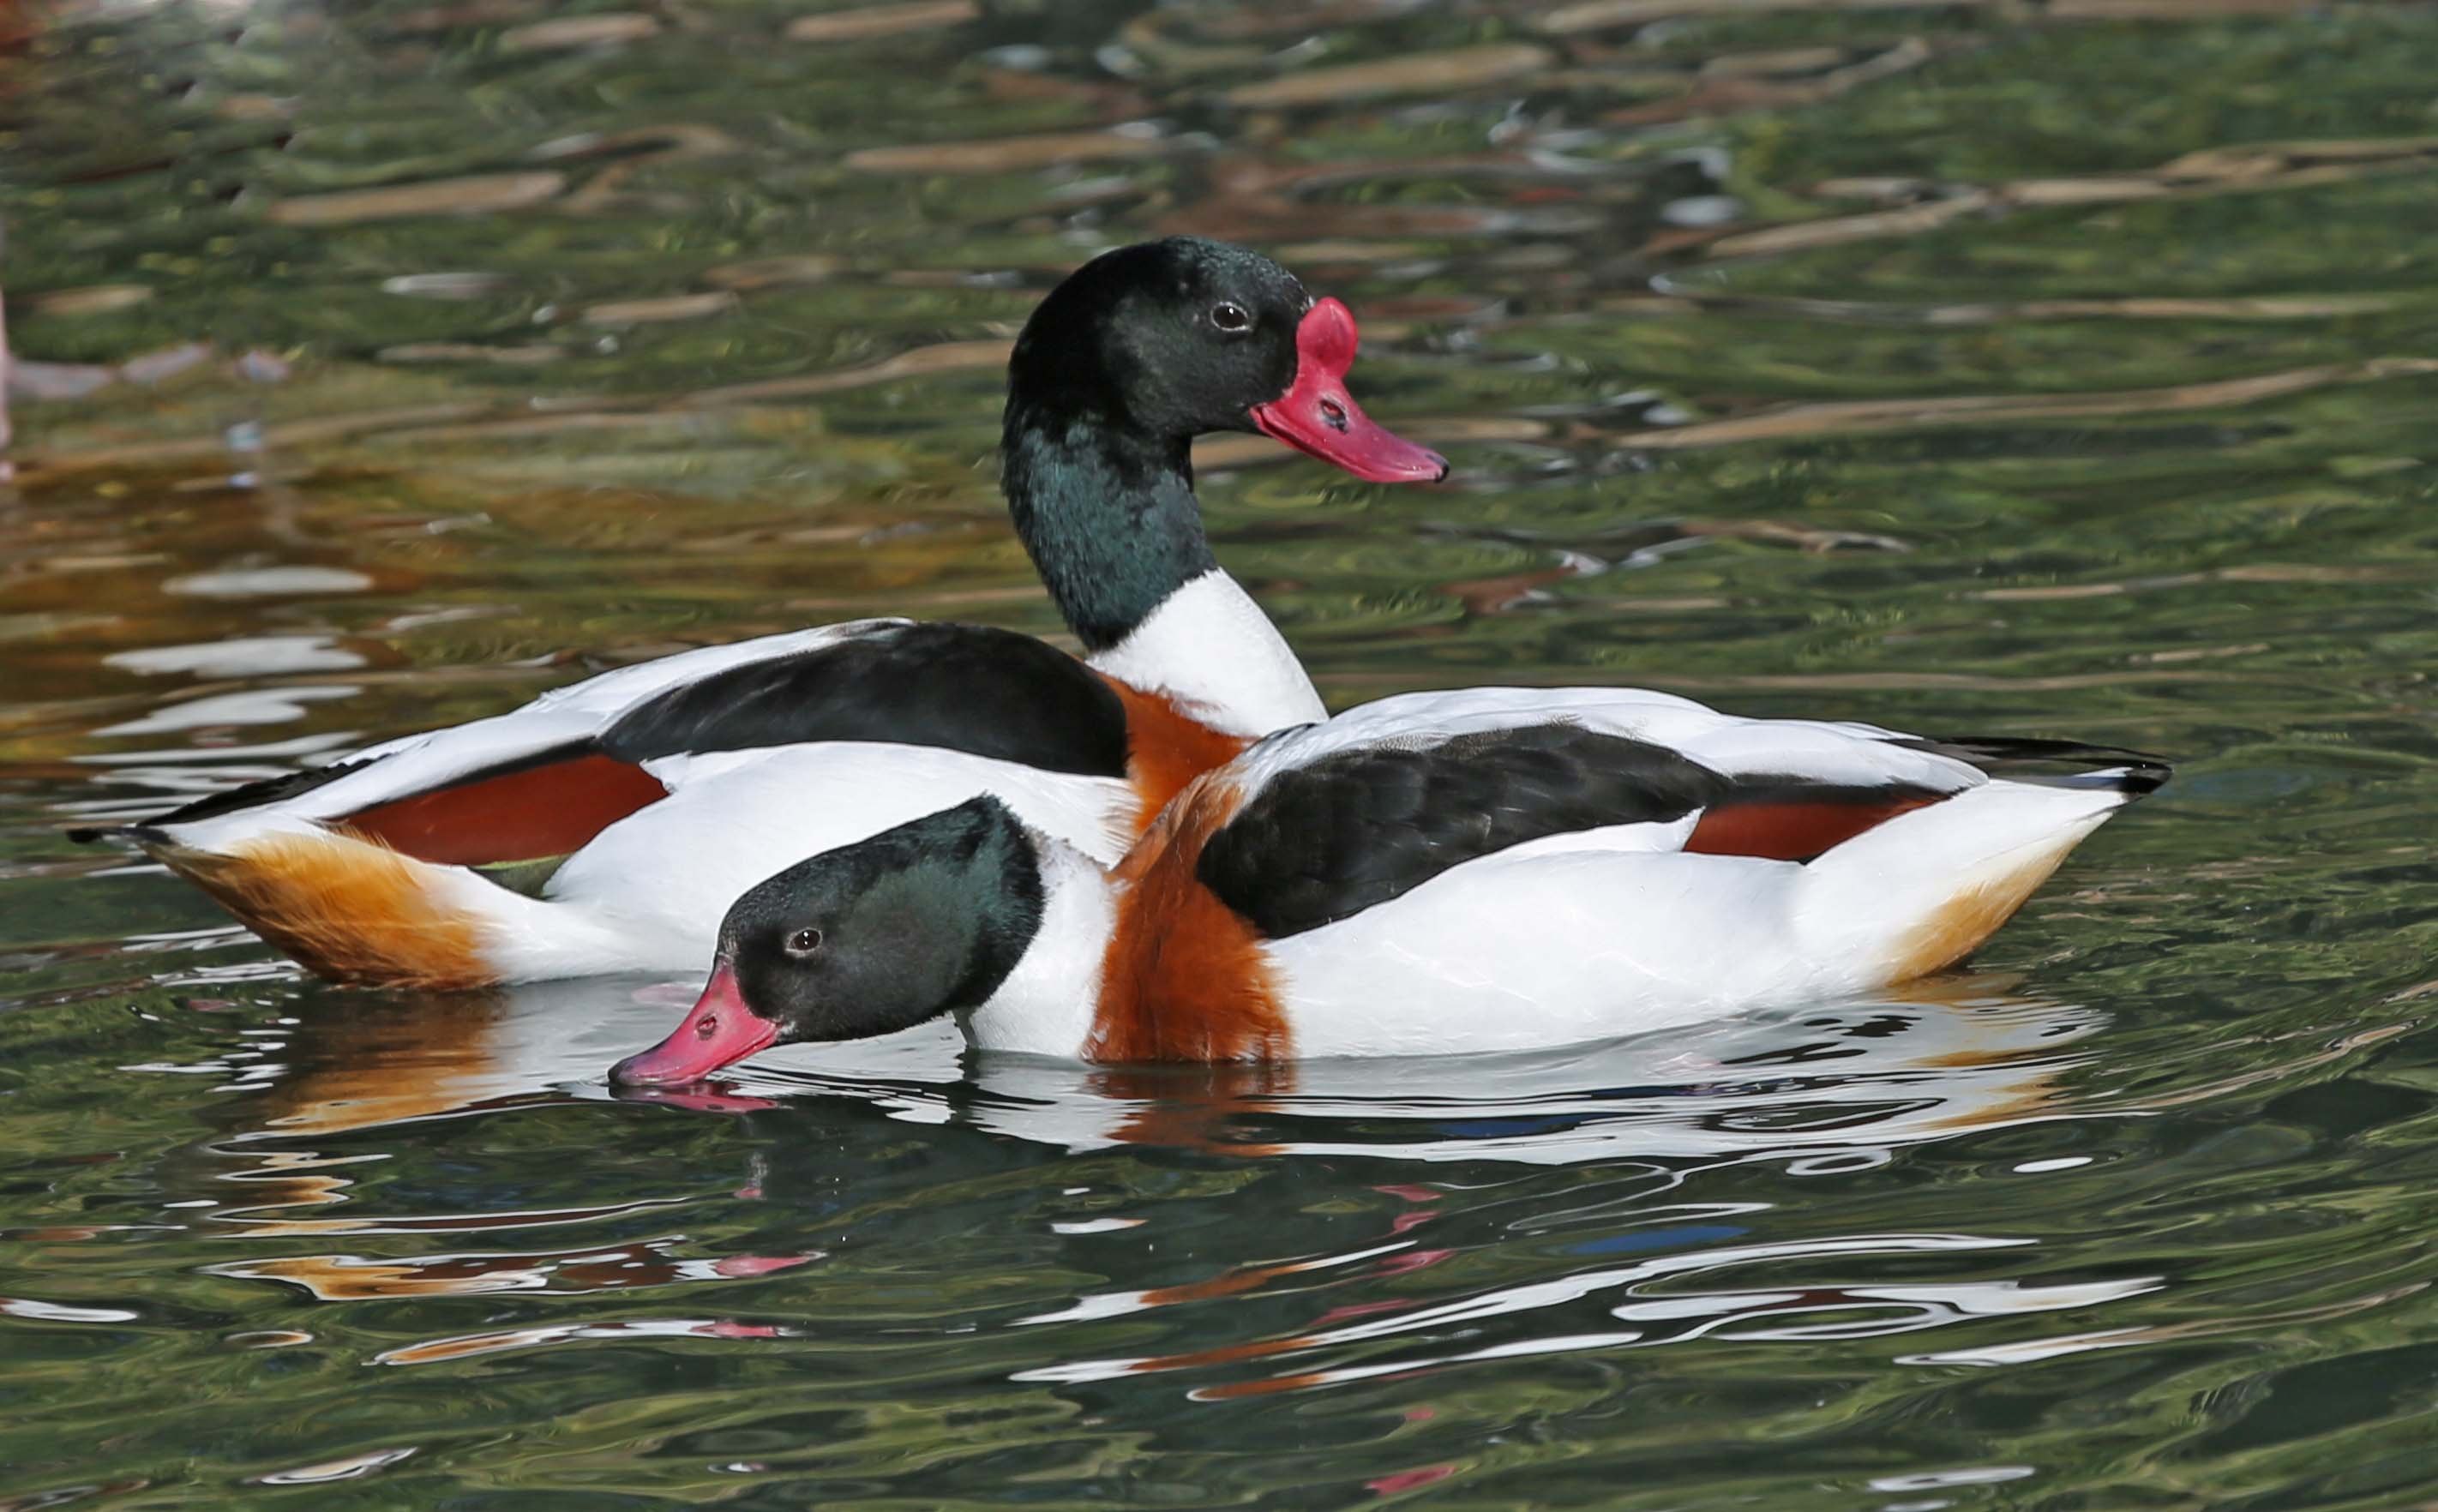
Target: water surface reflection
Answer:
[[1670, 1133]]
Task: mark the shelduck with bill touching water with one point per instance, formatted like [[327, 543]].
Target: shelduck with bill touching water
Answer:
[[1491, 869]]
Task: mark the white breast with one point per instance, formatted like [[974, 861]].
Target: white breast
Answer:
[[1210, 647]]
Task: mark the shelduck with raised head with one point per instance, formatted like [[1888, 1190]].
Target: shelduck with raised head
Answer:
[[1485, 869], [606, 826]]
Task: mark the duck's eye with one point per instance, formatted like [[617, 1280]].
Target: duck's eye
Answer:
[[1229, 316], [804, 942]]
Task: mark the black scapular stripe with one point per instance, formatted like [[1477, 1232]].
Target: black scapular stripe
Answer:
[[1354, 830], [970, 687], [2050, 761]]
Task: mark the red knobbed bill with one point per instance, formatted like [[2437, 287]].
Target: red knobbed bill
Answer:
[[1319, 417], [718, 1030]]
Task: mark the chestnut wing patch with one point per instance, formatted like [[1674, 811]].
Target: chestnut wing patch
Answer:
[[1795, 818], [1356, 829], [1798, 818], [522, 813], [960, 687]]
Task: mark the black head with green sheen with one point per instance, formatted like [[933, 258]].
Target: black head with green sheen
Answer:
[[1166, 340], [1138, 352], [872, 938]]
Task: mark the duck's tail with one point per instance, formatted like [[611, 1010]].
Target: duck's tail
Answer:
[[350, 908], [1923, 890]]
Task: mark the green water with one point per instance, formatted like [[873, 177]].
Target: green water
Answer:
[[2009, 368]]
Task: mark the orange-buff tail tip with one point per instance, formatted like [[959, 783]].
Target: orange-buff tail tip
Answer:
[[1956, 928], [346, 908]]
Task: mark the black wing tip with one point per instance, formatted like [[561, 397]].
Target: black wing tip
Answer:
[[143, 834], [249, 795], [2144, 775], [2134, 773]]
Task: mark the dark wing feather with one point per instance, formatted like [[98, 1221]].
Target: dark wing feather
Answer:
[[1354, 830], [962, 687]]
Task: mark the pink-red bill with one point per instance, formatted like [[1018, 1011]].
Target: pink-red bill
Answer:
[[1317, 416], [718, 1030]]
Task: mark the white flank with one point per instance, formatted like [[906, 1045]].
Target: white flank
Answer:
[[1537, 946]]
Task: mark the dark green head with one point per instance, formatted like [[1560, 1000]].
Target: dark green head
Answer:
[[872, 938], [1161, 340]]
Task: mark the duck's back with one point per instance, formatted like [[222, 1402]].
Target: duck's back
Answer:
[[1505, 868]]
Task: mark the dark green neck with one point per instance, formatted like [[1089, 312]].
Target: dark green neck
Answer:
[[1108, 516]]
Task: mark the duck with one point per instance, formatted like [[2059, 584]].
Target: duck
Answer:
[[606, 826], [1475, 871]]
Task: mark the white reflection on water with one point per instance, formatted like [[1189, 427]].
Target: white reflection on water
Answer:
[[470, 1346], [1833, 1084], [347, 1468], [239, 657], [1778, 1314], [179, 756], [269, 581], [258, 706]]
